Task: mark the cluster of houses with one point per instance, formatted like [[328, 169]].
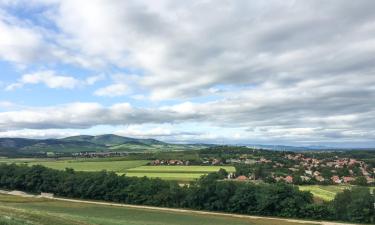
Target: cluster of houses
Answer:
[[313, 165], [170, 162], [99, 154]]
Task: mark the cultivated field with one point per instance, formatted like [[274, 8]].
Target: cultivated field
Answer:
[[325, 192], [134, 168], [17, 210], [180, 173]]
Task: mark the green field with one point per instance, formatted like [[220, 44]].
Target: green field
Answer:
[[134, 168], [325, 192], [180, 169], [15, 210], [116, 166], [180, 173], [168, 176]]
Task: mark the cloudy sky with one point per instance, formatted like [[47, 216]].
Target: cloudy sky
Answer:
[[240, 72]]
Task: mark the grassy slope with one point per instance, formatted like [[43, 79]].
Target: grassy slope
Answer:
[[20, 210]]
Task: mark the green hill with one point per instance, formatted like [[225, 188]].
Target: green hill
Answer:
[[87, 143]]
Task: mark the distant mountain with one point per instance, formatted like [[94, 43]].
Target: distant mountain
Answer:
[[82, 143], [111, 140], [304, 148]]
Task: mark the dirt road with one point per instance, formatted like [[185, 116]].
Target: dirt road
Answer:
[[19, 193]]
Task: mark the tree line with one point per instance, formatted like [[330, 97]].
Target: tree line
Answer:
[[208, 193]]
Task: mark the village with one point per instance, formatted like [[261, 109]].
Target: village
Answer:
[[290, 168]]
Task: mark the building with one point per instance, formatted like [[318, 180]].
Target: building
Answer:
[[336, 179], [241, 178], [288, 179]]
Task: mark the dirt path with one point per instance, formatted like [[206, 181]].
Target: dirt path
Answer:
[[19, 193]]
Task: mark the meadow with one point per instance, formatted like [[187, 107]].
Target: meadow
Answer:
[[325, 192], [135, 168], [17, 210], [180, 173]]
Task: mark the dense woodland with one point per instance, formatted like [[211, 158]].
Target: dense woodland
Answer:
[[208, 193]]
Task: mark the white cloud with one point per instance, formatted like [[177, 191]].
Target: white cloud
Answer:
[[94, 79], [112, 90], [19, 44], [52, 80], [37, 134], [48, 78]]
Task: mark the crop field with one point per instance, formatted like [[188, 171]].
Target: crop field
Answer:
[[168, 176], [134, 168], [81, 165], [116, 166], [180, 173], [180, 169], [326, 193], [17, 210]]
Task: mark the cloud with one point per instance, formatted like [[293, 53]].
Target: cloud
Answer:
[[94, 79], [183, 54], [52, 80], [19, 43], [85, 115], [48, 78], [112, 90], [37, 134], [281, 70]]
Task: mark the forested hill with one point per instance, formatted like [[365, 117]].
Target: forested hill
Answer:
[[81, 143]]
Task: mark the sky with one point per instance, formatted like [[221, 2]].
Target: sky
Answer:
[[227, 72]]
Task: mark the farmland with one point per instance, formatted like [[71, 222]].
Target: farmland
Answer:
[[134, 168], [325, 192], [17, 210]]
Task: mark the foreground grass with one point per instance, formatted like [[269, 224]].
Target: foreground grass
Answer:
[[16, 210], [325, 192]]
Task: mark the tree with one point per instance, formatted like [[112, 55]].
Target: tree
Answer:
[[362, 181]]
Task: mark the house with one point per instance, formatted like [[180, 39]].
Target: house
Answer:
[[319, 178], [316, 173], [230, 175], [309, 172], [336, 179], [216, 162], [241, 178], [288, 179], [305, 178], [370, 180]]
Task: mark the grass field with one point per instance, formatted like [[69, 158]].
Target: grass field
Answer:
[[134, 168], [168, 176], [116, 166], [180, 173], [180, 169], [326, 193], [15, 210]]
